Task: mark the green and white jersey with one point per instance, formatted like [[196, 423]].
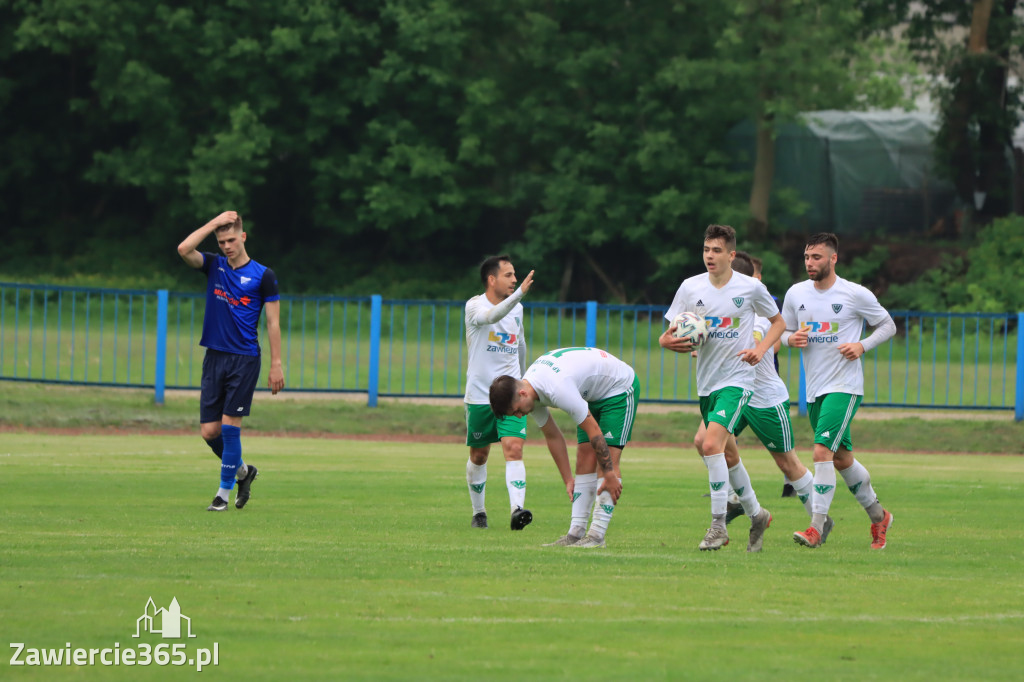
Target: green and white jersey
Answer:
[[769, 388], [832, 318], [729, 312], [494, 335], [570, 378]]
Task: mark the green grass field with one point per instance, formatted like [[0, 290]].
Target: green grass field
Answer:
[[355, 561]]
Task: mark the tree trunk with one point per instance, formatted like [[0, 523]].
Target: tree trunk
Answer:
[[563, 288], [617, 292], [764, 175]]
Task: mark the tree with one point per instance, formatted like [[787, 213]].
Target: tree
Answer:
[[784, 57], [971, 46]]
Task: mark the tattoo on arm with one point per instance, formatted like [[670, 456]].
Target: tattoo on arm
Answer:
[[604, 455]]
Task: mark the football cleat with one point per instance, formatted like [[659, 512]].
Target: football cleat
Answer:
[[808, 538], [733, 510], [566, 540], [878, 531], [827, 528], [218, 504], [590, 541], [479, 520], [242, 496], [788, 490], [758, 525], [714, 539], [521, 518]]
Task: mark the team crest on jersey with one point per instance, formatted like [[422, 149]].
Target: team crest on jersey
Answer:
[[836, 307], [738, 301]]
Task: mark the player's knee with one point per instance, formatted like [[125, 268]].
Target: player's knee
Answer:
[[698, 443], [513, 450], [478, 456], [210, 430]]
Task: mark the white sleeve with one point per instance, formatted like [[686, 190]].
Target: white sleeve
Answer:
[[522, 353], [882, 333], [764, 304], [564, 396], [678, 304], [478, 318], [541, 416]]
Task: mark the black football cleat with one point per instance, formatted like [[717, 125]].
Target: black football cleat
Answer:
[[479, 520], [218, 504], [521, 518], [242, 496]]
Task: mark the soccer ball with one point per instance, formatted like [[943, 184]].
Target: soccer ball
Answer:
[[691, 327]]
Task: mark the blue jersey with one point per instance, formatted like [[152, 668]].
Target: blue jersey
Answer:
[[234, 301]]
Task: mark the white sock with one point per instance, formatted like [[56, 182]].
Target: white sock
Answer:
[[224, 494], [824, 487], [718, 477], [740, 481], [858, 480], [476, 479], [242, 472], [804, 488], [583, 493], [515, 481], [603, 511]]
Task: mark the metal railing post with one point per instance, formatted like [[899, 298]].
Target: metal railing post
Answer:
[[373, 386], [1018, 402], [160, 370], [591, 335], [803, 389]]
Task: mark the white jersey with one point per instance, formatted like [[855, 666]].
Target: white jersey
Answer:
[[570, 378], [769, 388], [832, 317], [729, 312], [494, 334]]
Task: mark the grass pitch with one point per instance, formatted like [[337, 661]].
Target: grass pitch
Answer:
[[355, 561]]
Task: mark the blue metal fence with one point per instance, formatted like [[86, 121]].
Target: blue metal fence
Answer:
[[365, 344]]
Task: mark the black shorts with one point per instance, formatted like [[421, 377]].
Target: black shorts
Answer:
[[229, 381]]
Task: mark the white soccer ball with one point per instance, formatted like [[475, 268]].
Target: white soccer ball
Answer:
[[691, 327]]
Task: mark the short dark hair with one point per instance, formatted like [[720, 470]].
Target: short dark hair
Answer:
[[826, 238], [492, 265], [757, 264], [502, 395], [723, 232], [743, 263], [237, 225]]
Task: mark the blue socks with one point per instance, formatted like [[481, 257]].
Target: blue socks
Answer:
[[231, 457], [217, 445]]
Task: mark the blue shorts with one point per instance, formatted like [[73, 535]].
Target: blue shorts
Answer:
[[229, 381]]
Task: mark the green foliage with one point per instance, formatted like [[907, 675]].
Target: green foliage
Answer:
[[987, 281], [384, 136]]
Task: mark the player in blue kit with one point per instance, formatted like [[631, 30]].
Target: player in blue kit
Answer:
[[238, 289]]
